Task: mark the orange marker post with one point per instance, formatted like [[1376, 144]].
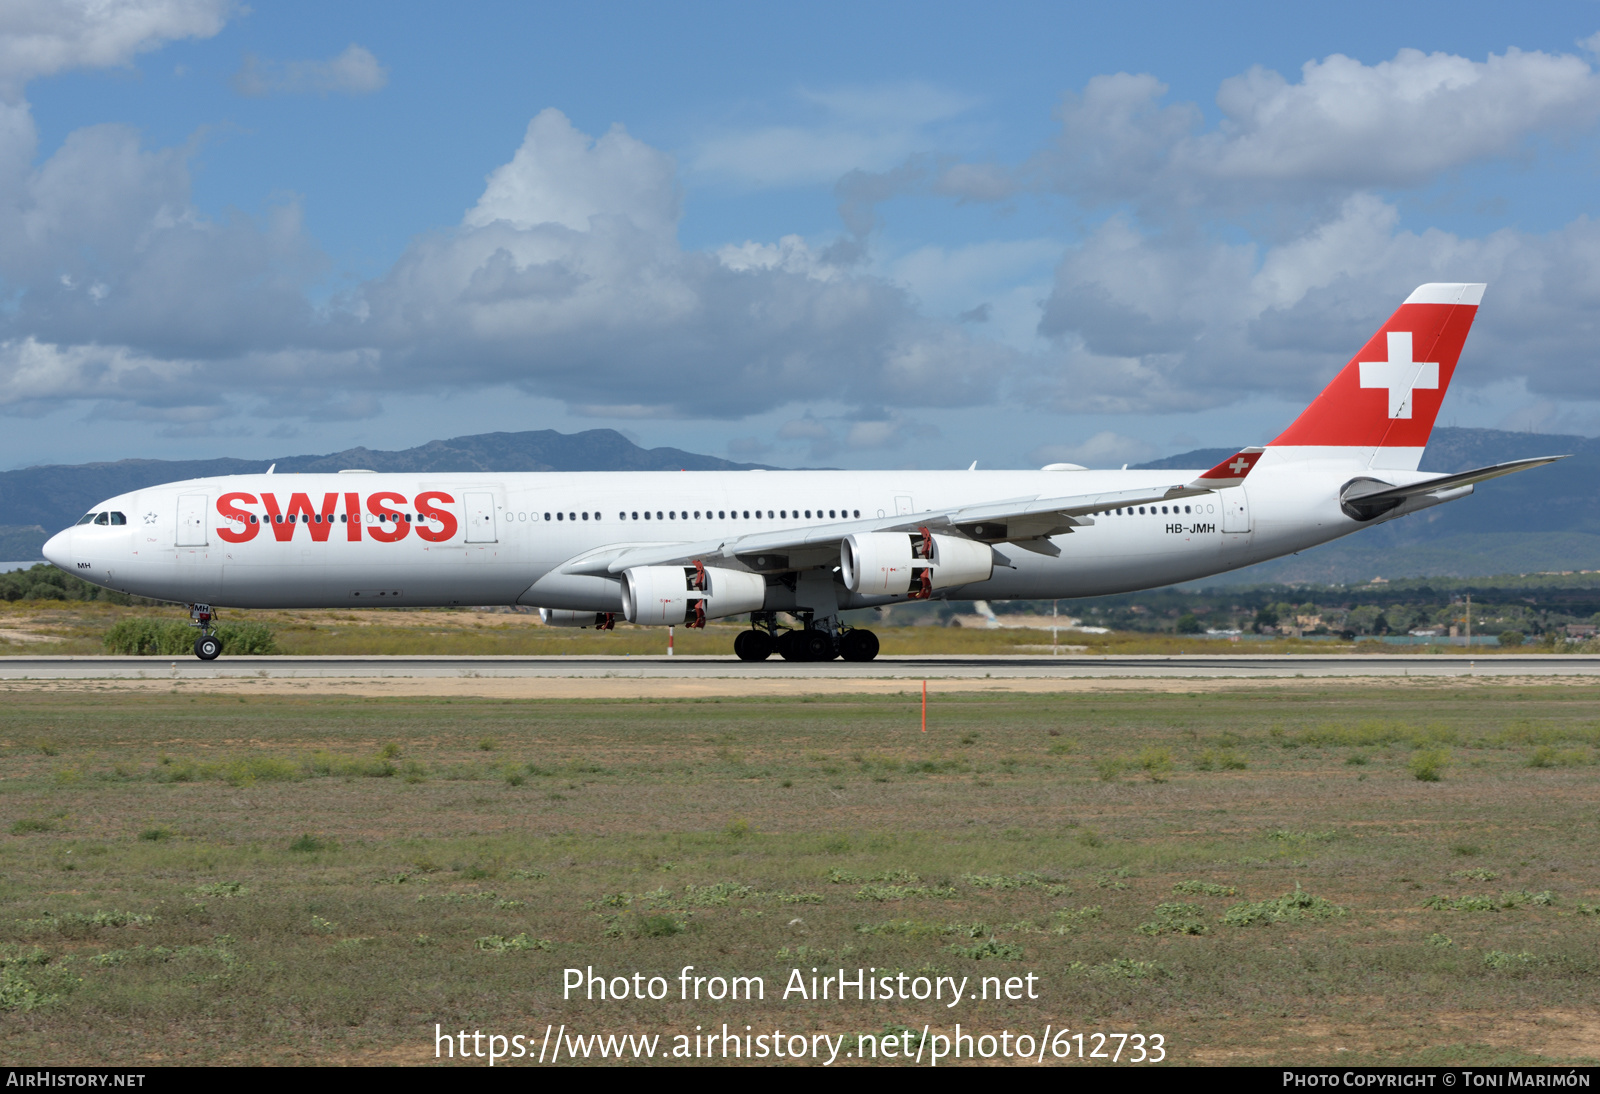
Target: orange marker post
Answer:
[[924, 706]]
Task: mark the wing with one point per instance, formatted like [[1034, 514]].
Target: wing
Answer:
[[1026, 522]]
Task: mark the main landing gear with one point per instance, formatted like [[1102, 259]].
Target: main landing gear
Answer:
[[208, 646], [805, 643]]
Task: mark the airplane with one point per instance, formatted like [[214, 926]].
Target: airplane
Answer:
[[683, 548]]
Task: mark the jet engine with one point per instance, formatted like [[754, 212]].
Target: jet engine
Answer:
[[557, 617], [663, 596], [876, 563], [960, 561], [911, 564]]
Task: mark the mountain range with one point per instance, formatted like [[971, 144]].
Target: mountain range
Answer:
[[1540, 520]]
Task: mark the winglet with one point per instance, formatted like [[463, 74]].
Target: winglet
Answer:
[[1230, 472]]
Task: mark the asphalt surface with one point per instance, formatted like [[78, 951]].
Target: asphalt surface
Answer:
[[1074, 666]]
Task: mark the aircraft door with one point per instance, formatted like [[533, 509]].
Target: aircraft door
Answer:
[[902, 506], [192, 510], [1235, 509], [480, 518]]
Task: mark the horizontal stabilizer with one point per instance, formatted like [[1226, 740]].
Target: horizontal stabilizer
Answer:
[[1447, 482]]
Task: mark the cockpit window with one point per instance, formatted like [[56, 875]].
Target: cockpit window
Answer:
[[102, 518], [118, 518], [87, 518]]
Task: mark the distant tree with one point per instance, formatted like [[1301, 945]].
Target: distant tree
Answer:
[[1188, 624], [1511, 638], [1365, 619]]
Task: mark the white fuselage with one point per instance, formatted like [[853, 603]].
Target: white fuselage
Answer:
[[384, 539]]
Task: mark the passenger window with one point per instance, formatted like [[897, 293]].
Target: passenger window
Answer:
[[858, 512], [252, 518], [560, 516], [586, 516], [547, 516], [658, 515]]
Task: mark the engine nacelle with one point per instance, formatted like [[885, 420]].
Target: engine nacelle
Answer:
[[665, 596], [655, 596], [876, 563], [733, 592], [911, 563], [559, 617], [960, 561]]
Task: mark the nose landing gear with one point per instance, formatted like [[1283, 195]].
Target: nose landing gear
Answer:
[[208, 646]]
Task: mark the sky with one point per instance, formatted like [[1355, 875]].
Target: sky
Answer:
[[886, 235]]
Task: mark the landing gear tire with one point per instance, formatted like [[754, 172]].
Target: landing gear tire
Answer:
[[858, 646], [791, 646], [819, 646], [207, 647], [752, 645]]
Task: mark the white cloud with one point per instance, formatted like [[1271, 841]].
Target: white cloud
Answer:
[[1397, 123], [43, 37], [354, 72], [1104, 449], [561, 176], [1343, 125], [996, 283], [564, 280], [856, 129], [31, 370], [1153, 322], [567, 280]]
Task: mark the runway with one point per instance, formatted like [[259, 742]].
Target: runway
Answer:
[[1064, 668]]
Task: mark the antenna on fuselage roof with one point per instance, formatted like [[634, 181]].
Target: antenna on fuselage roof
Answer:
[[271, 469]]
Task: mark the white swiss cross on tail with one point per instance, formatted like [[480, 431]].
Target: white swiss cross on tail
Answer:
[[1400, 374]]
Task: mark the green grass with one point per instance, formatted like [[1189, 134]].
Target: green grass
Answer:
[[323, 879], [101, 626]]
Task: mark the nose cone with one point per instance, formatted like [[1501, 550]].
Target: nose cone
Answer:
[[58, 549]]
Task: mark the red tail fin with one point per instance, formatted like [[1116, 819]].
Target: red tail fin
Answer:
[[1381, 407]]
